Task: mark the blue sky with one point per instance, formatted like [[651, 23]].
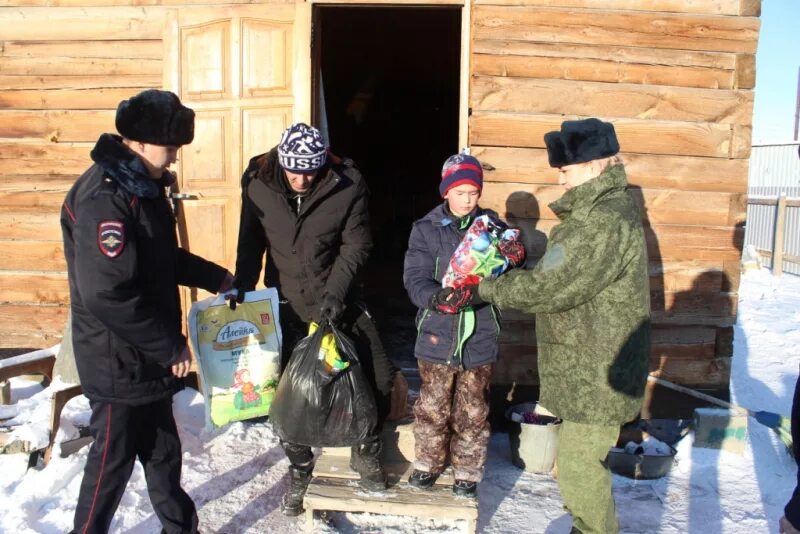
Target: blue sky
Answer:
[[777, 63]]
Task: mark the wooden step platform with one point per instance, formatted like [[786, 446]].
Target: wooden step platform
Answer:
[[335, 486], [344, 495]]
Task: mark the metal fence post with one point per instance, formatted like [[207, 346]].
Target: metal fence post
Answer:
[[780, 227]]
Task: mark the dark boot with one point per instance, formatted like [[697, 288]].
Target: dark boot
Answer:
[[292, 501], [422, 479], [365, 460], [465, 488]]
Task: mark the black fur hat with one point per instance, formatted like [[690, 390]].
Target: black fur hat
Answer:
[[155, 117], [581, 141]]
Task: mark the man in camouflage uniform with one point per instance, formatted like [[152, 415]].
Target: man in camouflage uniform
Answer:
[[591, 296]]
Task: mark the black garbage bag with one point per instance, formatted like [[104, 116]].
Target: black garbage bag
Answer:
[[318, 407]]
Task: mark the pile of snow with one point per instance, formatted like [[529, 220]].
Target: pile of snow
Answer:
[[236, 475]]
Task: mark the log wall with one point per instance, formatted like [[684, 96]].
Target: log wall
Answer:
[[676, 79], [62, 73]]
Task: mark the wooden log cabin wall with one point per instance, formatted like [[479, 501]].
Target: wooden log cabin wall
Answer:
[[675, 77]]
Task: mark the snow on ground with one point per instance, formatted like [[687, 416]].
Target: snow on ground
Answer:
[[236, 475]]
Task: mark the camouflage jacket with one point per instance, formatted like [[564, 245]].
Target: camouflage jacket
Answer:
[[590, 292]]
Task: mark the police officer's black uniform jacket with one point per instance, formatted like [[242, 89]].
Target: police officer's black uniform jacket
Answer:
[[124, 268], [314, 244]]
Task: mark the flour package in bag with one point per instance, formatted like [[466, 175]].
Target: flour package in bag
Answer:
[[317, 405], [477, 256], [238, 354]]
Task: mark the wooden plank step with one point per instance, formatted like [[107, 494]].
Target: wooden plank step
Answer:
[[345, 496], [397, 472]]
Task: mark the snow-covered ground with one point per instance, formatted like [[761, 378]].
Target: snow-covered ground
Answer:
[[236, 476]]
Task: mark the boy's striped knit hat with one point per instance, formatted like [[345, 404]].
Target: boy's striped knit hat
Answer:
[[458, 170]]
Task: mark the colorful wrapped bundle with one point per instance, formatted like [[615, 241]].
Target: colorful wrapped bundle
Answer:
[[477, 256]]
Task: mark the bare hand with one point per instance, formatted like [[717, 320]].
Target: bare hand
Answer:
[[227, 283], [785, 527], [181, 368]]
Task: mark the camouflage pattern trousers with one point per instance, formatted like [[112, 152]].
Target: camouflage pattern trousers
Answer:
[[452, 416], [584, 478]]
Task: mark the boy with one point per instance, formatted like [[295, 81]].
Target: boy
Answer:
[[452, 410]]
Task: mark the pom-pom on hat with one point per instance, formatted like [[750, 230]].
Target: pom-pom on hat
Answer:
[[155, 117], [458, 170], [581, 141], [302, 149]]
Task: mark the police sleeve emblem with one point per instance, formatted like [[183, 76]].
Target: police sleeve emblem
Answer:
[[111, 238]]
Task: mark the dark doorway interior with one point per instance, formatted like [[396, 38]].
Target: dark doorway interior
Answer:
[[390, 79]]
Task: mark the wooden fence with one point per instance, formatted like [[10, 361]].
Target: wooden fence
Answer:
[[778, 252]]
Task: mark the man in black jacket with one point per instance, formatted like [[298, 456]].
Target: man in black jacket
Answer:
[[307, 211], [789, 523], [124, 268]]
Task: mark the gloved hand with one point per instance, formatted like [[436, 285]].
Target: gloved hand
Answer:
[[453, 300], [235, 298], [331, 307], [473, 298], [513, 251], [440, 298]]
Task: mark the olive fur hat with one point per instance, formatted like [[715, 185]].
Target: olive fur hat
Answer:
[[581, 141], [155, 117]]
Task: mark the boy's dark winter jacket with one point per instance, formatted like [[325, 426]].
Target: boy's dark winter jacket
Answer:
[[590, 294], [434, 239], [316, 249], [124, 268]]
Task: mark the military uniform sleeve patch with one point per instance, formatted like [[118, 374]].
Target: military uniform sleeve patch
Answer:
[[111, 238]]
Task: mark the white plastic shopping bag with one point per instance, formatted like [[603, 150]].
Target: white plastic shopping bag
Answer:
[[238, 355]]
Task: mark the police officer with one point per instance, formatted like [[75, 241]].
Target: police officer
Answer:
[[124, 267]]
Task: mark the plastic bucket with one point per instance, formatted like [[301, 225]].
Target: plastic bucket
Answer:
[[534, 446]]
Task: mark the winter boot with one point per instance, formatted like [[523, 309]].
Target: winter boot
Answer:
[[422, 479], [465, 488], [365, 460], [292, 501]]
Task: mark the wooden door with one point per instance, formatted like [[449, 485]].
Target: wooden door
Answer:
[[240, 69]]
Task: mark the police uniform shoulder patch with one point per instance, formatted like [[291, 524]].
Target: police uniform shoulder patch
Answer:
[[111, 237]]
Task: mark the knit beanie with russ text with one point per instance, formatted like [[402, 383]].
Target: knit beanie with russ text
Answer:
[[460, 169], [302, 149]]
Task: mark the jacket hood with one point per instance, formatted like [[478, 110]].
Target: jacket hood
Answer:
[[579, 200]]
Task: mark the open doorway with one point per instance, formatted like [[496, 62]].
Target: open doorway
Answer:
[[386, 88]]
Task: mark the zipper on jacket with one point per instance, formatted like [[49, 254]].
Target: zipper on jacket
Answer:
[[496, 319], [456, 359], [422, 320]]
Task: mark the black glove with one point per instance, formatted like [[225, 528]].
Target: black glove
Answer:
[[238, 298], [453, 300], [440, 298], [331, 307], [513, 251], [473, 299]]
